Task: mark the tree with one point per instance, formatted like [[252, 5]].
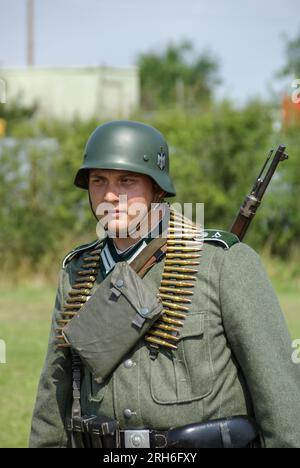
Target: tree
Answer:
[[215, 159], [15, 111], [292, 66], [178, 76]]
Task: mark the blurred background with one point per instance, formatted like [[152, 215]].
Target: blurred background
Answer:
[[219, 79]]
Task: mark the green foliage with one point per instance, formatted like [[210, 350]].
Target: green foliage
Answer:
[[42, 214], [15, 111], [292, 65], [215, 158], [177, 76], [284, 226]]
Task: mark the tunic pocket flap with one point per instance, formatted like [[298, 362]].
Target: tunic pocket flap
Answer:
[[193, 326], [124, 281]]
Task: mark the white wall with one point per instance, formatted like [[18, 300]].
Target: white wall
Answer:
[[101, 92]]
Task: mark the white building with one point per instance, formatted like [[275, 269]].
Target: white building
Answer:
[[101, 92]]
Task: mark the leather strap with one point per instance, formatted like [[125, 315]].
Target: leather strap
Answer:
[[225, 434], [152, 253]]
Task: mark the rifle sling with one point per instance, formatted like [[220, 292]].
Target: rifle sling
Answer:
[[152, 253]]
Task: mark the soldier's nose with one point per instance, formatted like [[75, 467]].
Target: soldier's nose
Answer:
[[111, 196]]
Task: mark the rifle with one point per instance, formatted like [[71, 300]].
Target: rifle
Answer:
[[252, 201]]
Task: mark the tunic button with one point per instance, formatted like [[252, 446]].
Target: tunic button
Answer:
[[144, 311], [128, 363], [127, 413], [120, 283]]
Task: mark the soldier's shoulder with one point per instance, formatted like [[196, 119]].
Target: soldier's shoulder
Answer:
[[81, 249], [220, 238]]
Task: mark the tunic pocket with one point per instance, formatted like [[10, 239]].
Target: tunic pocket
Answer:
[[95, 392], [186, 374]]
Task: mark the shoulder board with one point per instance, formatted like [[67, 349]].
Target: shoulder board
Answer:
[[223, 238], [81, 248]]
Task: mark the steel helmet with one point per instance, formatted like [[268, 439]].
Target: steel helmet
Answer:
[[130, 146]]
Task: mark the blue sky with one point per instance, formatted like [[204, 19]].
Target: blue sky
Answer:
[[246, 36]]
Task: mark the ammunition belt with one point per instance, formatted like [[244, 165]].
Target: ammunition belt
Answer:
[[80, 293], [184, 243], [182, 251]]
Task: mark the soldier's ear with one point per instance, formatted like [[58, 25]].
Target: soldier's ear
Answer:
[[159, 193]]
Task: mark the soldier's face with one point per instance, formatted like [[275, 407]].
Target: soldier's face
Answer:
[[120, 198]]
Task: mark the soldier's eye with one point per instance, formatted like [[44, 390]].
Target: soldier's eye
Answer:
[[127, 180], [97, 180]]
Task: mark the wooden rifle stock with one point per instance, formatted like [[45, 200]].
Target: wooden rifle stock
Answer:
[[252, 201]]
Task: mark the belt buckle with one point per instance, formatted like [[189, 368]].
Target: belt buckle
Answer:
[[137, 438]]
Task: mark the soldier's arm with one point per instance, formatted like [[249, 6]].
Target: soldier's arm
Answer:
[[54, 391], [258, 336]]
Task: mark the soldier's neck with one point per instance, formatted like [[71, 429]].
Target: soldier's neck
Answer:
[[123, 243]]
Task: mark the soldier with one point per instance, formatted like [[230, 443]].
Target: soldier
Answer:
[[166, 348]]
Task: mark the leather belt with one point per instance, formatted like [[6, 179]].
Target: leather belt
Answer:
[[102, 432]]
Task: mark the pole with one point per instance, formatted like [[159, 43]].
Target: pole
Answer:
[[30, 39]]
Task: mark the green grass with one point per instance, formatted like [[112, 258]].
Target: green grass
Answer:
[[25, 314], [24, 326], [290, 303]]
